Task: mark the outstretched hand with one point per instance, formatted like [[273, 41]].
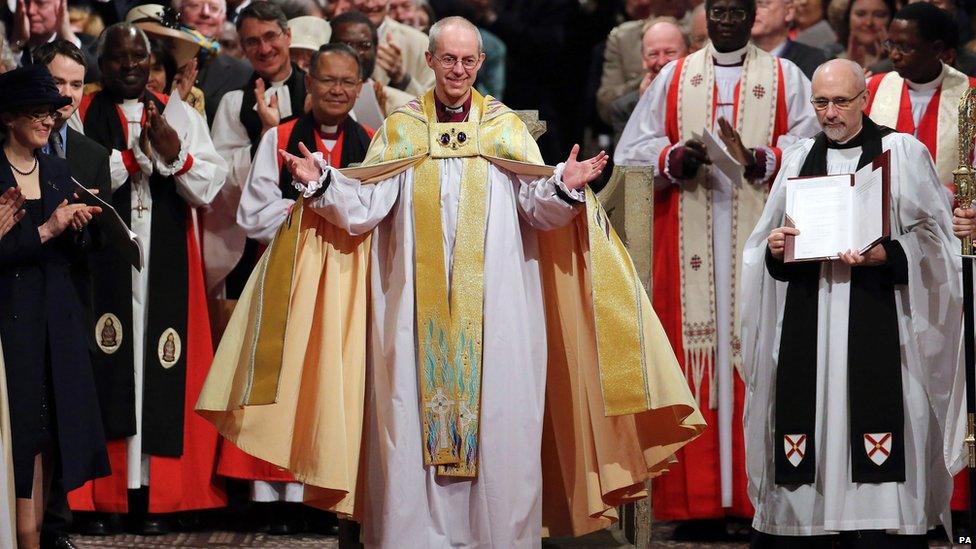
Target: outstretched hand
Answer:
[[577, 173], [304, 168]]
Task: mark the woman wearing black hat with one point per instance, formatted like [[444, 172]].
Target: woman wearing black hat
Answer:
[[56, 427]]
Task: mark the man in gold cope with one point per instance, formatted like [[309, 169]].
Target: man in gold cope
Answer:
[[510, 344]]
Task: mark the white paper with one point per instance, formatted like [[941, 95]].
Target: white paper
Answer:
[[113, 227], [367, 108], [720, 157], [833, 215], [869, 201], [819, 208]]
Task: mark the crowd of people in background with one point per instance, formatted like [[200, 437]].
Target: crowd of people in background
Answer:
[[104, 364]]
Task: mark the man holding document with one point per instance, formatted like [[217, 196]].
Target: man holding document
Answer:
[[851, 358], [713, 125]]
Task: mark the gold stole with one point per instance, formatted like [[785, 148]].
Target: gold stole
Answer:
[[756, 116], [449, 307], [887, 102]]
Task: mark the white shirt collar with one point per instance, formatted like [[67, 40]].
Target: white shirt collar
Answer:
[[928, 86], [729, 57]]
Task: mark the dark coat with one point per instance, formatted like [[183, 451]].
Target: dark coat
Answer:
[[807, 58], [89, 164], [219, 76], [41, 322]]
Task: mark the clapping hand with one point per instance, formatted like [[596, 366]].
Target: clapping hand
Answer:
[[64, 22], [11, 212], [185, 79], [67, 215], [163, 138], [390, 58], [267, 110], [302, 169], [733, 143], [695, 154], [576, 174], [21, 34]]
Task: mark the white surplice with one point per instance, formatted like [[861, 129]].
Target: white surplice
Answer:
[[223, 239], [407, 505], [198, 186], [641, 143], [929, 314]]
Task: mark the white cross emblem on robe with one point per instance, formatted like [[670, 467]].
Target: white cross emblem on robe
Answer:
[[795, 447], [441, 406], [877, 446]]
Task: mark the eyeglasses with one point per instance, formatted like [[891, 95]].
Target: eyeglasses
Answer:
[[347, 84], [734, 15], [254, 42], [39, 116], [360, 46], [841, 103], [904, 49], [449, 61]]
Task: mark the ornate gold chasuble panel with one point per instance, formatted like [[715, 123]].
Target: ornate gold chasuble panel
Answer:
[[627, 338]]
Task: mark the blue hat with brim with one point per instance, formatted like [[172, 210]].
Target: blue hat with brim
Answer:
[[29, 86]]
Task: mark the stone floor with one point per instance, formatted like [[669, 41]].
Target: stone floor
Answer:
[[662, 534]]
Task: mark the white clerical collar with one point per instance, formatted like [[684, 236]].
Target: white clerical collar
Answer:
[[928, 86], [329, 129], [729, 57], [280, 83], [848, 140], [130, 102]]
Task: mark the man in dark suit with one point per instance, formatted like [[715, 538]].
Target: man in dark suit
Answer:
[[89, 164], [221, 73], [771, 33]]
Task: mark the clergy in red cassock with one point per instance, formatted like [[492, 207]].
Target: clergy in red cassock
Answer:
[[151, 335], [701, 220]]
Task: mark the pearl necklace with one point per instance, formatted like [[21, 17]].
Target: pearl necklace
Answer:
[[28, 172]]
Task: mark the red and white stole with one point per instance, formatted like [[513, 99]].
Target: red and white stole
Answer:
[[755, 116], [937, 129]]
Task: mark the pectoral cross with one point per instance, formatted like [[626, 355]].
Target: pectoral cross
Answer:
[[141, 208]]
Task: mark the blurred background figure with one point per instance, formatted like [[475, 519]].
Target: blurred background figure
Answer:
[[308, 34], [230, 43], [810, 24], [217, 73], [663, 42], [771, 32], [863, 31]]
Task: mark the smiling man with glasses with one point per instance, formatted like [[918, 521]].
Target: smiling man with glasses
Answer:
[[757, 104], [851, 361], [919, 37], [453, 314], [160, 174], [274, 93]]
